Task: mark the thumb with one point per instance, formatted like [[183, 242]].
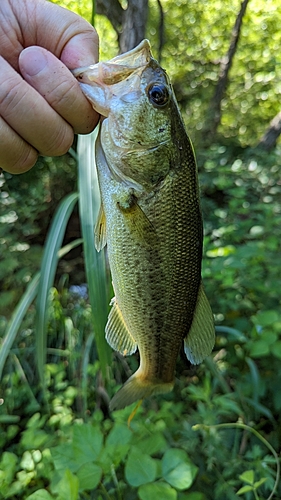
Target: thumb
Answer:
[[81, 50]]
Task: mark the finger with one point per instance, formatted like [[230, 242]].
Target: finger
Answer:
[[51, 78], [16, 156], [30, 116]]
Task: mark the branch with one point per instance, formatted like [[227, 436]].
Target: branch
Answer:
[[214, 113], [113, 10], [133, 24], [269, 138], [161, 31]]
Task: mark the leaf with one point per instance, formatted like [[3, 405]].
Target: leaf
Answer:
[[89, 476], [154, 443], [95, 266], [195, 495], [266, 318], [63, 458], [177, 469], [257, 484], [117, 445], [154, 491], [48, 270], [248, 477], [140, 468], [276, 349], [87, 443], [16, 319], [259, 348], [67, 488], [40, 495], [245, 489], [119, 434]]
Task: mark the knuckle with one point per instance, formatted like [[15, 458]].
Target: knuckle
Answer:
[[21, 162], [11, 94], [60, 143]]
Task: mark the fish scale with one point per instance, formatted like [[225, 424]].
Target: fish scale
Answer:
[[150, 220]]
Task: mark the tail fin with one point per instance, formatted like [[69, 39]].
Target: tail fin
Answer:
[[134, 389]]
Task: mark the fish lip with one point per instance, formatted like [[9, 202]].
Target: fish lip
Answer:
[[144, 50]]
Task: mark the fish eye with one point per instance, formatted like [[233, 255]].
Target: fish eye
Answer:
[[158, 94]]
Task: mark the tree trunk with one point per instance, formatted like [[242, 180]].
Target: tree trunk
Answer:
[[133, 25], [214, 113], [128, 23], [269, 138]]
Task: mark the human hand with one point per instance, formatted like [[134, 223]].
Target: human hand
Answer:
[[41, 104]]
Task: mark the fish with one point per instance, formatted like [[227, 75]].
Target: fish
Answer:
[[150, 219]]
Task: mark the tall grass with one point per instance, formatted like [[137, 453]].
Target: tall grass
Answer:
[[95, 266]]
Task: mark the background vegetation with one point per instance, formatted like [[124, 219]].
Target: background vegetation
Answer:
[[57, 440]]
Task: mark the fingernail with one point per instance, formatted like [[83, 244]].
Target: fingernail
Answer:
[[33, 60]]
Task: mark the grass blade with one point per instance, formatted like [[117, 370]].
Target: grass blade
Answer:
[[16, 319], [48, 271], [95, 265], [22, 308]]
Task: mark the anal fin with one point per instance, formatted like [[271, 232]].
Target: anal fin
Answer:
[[199, 342], [117, 334]]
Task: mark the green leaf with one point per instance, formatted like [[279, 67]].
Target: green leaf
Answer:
[[87, 442], [257, 484], [259, 348], [16, 320], [248, 477], [117, 445], [177, 469], [195, 495], [152, 444], [276, 349], [89, 476], [67, 488], [154, 491], [266, 318], [140, 468], [119, 434], [63, 458], [95, 266], [40, 495], [48, 270], [245, 489]]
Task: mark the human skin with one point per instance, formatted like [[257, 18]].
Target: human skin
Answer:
[[41, 104]]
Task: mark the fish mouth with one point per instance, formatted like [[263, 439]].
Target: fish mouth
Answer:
[[118, 69]]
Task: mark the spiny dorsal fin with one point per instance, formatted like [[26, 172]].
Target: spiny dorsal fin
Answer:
[[200, 339], [100, 230], [117, 333]]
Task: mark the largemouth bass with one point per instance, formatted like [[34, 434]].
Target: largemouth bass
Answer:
[[150, 219]]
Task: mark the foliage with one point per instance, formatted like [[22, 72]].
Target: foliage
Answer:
[[63, 444]]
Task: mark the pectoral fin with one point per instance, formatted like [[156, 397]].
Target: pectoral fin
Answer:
[[200, 339], [140, 227], [117, 333], [100, 233]]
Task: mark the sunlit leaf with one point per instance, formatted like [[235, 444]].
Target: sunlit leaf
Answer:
[[48, 270], [40, 495], [89, 476], [177, 469], [140, 468], [153, 491], [248, 476], [89, 204]]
